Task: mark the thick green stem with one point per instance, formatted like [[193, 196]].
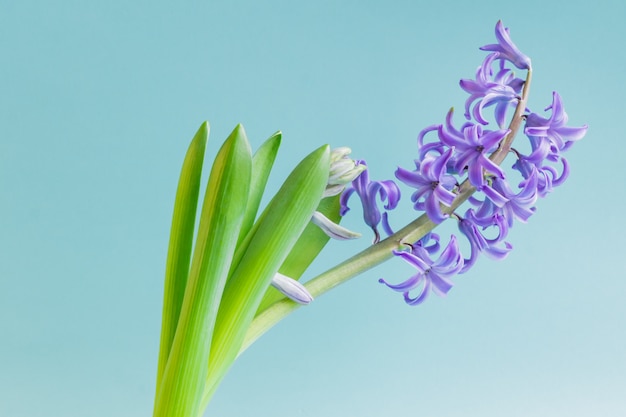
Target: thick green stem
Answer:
[[382, 251]]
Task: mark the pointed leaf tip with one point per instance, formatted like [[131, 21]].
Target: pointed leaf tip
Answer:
[[205, 127]]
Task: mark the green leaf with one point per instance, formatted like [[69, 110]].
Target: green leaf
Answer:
[[220, 223], [308, 247], [181, 241], [271, 240], [262, 163]]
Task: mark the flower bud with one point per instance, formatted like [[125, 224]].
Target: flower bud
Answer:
[[292, 289], [333, 229], [343, 171]]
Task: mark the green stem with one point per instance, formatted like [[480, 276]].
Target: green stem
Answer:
[[382, 251]]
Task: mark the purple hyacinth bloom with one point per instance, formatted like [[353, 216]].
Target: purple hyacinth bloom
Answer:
[[489, 214], [472, 148], [432, 183], [548, 138], [554, 130], [368, 191], [507, 49], [479, 243], [503, 90], [548, 176], [541, 149], [431, 275], [513, 206]]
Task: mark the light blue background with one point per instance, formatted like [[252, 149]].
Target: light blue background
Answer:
[[98, 101]]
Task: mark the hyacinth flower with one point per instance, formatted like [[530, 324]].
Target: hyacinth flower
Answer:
[[237, 269], [369, 192], [554, 130], [549, 138], [431, 275], [433, 185], [507, 49], [513, 206], [479, 243], [502, 90], [548, 177], [472, 146]]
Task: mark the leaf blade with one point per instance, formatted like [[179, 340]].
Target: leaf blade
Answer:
[[262, 163], [181, 242], [220, 223], [277, 230]]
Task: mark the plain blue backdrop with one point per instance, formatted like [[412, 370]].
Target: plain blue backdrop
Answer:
[[98, 101]]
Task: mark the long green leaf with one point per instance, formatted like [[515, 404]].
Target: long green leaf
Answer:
[[262, 163], [220, 223], [274, 234], [181, 241]]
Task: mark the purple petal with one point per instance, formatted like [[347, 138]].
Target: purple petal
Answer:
[[420, 298], [344, 200], [441, 286]]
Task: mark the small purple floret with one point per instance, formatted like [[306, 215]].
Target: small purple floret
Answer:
[[548, 139], [472, 149], [559, 137], [502, 90], [480, 244], [368, 191], [548, 176], [513, 206], [434, 186], [431, 275], [507, 49]]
